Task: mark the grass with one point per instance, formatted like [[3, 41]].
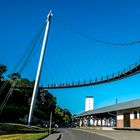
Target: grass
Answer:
[[29, 136], [13, 127], [13, 131]]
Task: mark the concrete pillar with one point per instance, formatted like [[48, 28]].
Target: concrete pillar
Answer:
[[99, 122], [95, 122], [91, 121], [103, 122], [81, 122], [85, 121]]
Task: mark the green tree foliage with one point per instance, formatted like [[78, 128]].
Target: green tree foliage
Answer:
[[14, 76], [46, 102], [62, 116], [18, 98], [12, 113], [18, 104], [24, 82], [3, 69]]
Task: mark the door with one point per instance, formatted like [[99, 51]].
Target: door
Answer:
[[126, 120]]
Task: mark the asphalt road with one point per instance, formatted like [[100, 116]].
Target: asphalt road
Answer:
[[71, 134]]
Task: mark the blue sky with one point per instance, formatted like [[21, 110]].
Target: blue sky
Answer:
[[70, 56]]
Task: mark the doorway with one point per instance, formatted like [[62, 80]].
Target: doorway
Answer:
[[126, 120]]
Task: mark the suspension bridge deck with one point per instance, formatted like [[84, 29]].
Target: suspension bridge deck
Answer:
[[135, 69]]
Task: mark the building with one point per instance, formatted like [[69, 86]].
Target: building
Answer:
[[89, 103], [125, 114]]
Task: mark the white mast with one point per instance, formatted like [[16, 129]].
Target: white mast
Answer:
[[39, 67]]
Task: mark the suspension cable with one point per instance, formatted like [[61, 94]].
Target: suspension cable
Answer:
[[7, 97], [22, 63], [99, 41], [24, 59]]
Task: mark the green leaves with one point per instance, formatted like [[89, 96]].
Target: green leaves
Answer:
[[14, 76], [3, 69], [19, 101], [63, 116]]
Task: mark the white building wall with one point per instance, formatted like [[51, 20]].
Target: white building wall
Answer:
[[91, 121], [99, 122], [119, 117], [138, 114], [132, 116], [81, 122], [103, 122], [95, 122]]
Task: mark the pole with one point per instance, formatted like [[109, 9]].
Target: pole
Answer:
[[50, 123], [39, 68]]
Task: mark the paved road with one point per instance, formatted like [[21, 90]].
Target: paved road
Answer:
[[71, 134]]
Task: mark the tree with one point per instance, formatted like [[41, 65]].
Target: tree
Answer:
[[14, 76], [24, 82], [62, 116], [3, 69], [67, 117], [46, 101], [19, 102], [18, 98]]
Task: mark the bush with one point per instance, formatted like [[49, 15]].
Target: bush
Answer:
[[12, 113], [40, 114]]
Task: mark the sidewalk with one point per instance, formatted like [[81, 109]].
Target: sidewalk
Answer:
[[116, 134], [54, 136]]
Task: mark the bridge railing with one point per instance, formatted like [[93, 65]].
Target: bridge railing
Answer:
[[132, 69]]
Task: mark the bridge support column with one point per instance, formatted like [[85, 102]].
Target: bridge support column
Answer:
[[35, 91]]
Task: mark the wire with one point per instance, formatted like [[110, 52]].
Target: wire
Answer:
[[30, 47], [30, 55], [99, 41], [24, 59], [7, 97], [22, 63]]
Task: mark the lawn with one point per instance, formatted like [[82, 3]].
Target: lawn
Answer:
[[28, 136], [13, 131]]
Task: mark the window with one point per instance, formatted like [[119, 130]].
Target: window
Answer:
[[135, 114]]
